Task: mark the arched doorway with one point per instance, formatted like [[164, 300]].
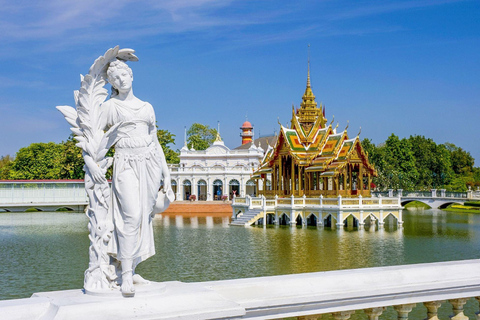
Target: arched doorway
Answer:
[[234, 188], [202, 190], [187, 189], [217, 189], [251, 188]]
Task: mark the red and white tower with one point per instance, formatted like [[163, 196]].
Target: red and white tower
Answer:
[[247, 132]]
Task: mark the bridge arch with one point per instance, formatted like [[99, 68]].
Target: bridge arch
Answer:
[[284, 219], [412, 200], [350, 220], [64, 209], [390, 214], [329, 221], [312, 219], [446, 204], [299, 219]]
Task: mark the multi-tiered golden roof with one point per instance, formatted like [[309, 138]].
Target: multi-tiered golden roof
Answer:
[[311, 158]]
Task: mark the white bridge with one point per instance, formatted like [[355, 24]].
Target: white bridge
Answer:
[[51, 195], [42, 195], [435, 198], [308, 296]]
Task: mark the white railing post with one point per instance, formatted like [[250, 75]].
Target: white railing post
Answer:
[[403, 310], [374, 313], [321, 201], [339, 199], [458, 308], [442, 193], [292, 201], [390, 193], [434, 193], [360, 201], [432, 309], [248, 201], [399, 193], [276, 201], [469, 194], [380, 201], [303, 202]]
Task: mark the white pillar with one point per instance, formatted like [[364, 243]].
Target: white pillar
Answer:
[[380, 220], [339, 219]]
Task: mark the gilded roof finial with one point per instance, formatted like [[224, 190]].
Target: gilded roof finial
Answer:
[[308, 73], [218, 138]]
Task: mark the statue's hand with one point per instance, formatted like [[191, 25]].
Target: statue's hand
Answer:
[[98, 174], [167, 185]]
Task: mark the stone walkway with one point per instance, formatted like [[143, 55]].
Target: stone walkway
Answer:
[[199, 208]]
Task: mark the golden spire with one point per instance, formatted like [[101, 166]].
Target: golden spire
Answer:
[[308, 73], [308, 112], [218, 138]]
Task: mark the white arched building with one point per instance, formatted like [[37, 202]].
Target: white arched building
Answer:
[[215, 172]]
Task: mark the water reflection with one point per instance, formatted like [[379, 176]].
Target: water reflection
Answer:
[[205, 248]]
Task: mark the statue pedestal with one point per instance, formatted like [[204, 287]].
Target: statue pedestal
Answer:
[[168, 300]]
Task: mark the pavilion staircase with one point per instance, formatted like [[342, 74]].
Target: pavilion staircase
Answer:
[[248, 218]]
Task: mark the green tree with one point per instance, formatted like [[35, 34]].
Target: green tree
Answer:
[[432, 161], [200, 136], [72, 160], [5, 165], [38, 161], [462, 161], [399, 163], [165, 138]]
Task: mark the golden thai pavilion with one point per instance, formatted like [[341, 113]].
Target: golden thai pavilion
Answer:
[[312, 158]]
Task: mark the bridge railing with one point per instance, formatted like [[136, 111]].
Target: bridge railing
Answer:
[[320, 202], [40, 191]]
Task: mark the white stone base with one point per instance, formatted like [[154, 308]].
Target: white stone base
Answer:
[[168, 300]]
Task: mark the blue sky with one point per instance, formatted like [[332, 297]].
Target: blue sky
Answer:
[[403, 67]]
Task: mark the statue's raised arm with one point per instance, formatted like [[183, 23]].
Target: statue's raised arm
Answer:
[[120, 217]]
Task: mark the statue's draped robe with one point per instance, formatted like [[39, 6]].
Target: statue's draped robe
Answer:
[[137, 174]]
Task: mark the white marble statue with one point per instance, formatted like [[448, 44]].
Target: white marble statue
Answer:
[[120, 218]]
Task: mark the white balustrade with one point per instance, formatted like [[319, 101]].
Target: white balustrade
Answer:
[[305, 296]]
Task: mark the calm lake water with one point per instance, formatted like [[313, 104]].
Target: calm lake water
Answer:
[[45, 251]]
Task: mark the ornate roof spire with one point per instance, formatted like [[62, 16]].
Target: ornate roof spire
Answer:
[[308, 73], [218, 138], [308, 112]]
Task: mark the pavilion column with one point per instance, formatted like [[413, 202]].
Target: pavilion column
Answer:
[[274, 179], [304, 181], [292, 180], [369, 181], [345, 181], [360, 176], [350, 177], [280, 174]]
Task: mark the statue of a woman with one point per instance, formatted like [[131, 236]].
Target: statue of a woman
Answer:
[[139, 167]]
